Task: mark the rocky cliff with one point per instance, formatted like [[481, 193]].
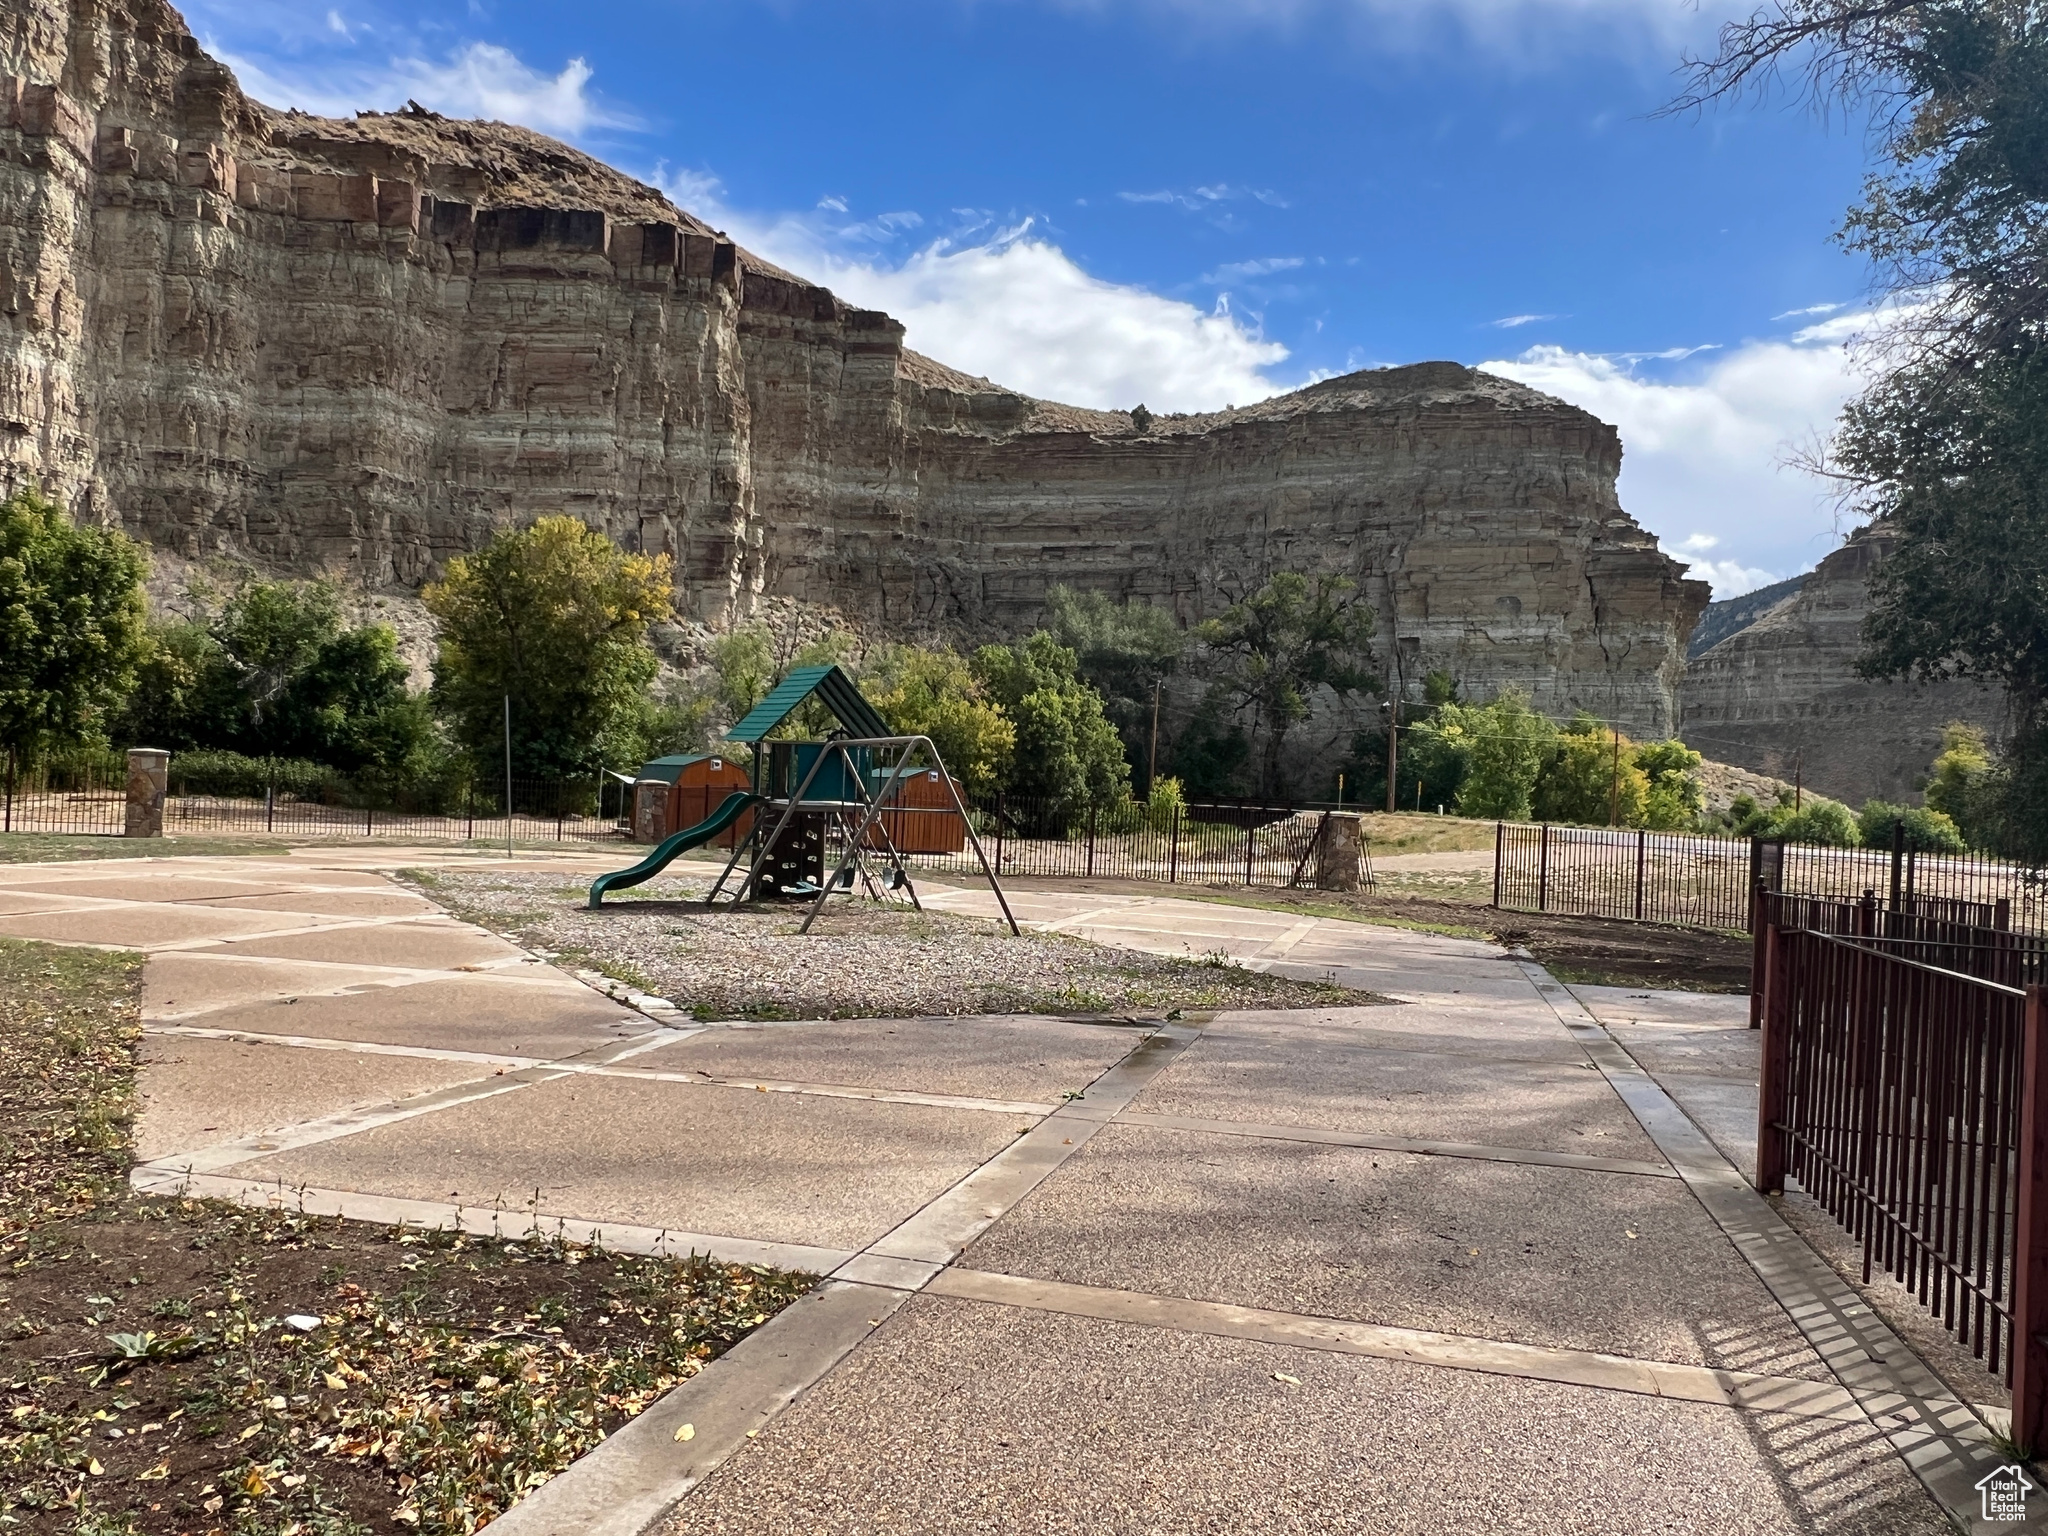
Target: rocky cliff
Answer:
[[359, 347], [1781, 695]]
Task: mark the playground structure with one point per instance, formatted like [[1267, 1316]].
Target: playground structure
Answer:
[[862, 783]]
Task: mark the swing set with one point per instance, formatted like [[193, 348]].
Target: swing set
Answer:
[[853, 784]]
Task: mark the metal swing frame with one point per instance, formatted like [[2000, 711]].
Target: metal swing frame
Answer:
[[871, 808]]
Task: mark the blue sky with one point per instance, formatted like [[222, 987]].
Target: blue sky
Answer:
[[1191, 203]]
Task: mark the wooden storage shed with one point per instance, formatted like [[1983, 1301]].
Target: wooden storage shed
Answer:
[[671, 793], [921, 817]]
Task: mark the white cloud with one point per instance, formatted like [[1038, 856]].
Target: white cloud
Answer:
[[1811, 309], [1008, 303], [1703, 450], [1261, 266], [1202, 199], [476, 80], [1511, 322], [1520, 32], [1731, 578]]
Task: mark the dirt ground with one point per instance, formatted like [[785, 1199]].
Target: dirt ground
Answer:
[[183, 1368], [1598, 950]]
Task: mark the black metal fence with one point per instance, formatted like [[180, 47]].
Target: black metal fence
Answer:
[[1904, 1086], [1235, 843], [1678, 877], [91, 798]]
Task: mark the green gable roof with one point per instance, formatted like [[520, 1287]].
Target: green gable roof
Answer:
[[834, 689]]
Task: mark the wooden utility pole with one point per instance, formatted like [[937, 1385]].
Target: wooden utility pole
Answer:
[[1393, 709], [1614, 782], [1152, 761]]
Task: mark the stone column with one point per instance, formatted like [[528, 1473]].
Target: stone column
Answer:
[[650, 810], [1338, 847], [149, 778]]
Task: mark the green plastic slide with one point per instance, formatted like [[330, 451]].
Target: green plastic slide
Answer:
[[736, 805]]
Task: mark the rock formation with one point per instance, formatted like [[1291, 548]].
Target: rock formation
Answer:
[[359, 347], [1781, 695], [1725, 616]]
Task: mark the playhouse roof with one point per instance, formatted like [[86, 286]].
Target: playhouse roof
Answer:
[[833, 688]]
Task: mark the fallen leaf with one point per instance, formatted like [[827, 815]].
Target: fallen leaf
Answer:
[[93, 1466], [687, 1432], [1290, 1380], [155, 1474], [332, 1382]]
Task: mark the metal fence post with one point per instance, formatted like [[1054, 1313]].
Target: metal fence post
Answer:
[[1543, 871], [270, 807], [999, 834], [10, 790], [1249, 850], [1500, 843], [369, 821], [1757, 956], [1642, 858], [1898, 860], [1774, 990], [1091, 840], [2030, 1252], [1173, 849]]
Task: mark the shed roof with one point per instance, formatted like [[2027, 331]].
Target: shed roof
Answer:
[[833, 688], [669, 769]]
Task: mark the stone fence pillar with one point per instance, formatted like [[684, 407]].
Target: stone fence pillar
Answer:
[[650, 810], [149, 778], [1339, 845]]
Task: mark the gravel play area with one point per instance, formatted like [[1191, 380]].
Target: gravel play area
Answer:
[[858, 961]]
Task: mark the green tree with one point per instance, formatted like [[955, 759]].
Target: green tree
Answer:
[[1066, 753], [273, 672], [1498, 750], [1949, 445], [1964, 780], [1926, 831], [1957, 466], [1819, 820], [743, 664], [1275, 653], [1126, 652], [555, 616], [932, 691], [71, 613], [1592, 778], [1676, 800]]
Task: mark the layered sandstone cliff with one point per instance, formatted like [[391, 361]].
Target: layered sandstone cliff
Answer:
[[1782, 697], [360, 347]]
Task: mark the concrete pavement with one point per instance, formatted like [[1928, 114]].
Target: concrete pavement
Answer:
[[1457, 1262]]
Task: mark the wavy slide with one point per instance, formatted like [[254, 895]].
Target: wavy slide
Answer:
[[736, 805]]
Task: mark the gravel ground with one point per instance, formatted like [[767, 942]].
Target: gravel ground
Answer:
[[858, 961]]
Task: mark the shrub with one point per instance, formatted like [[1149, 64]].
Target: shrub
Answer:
[[1828, 822], [1926, 831]]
